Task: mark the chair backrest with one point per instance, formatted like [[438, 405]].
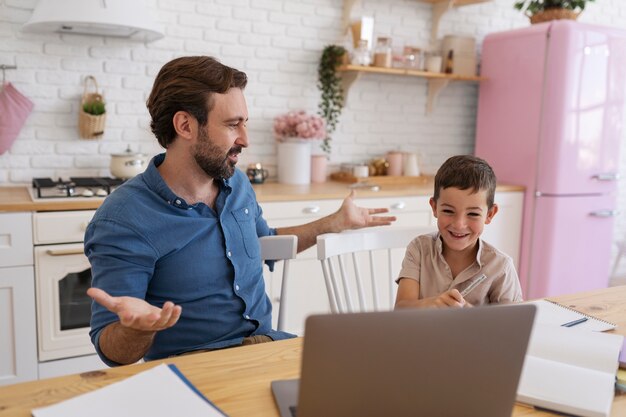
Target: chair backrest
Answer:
[[376, 256], [280, 248]]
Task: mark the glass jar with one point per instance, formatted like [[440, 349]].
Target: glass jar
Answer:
[[412, 58], [382, 52], [361, 55]]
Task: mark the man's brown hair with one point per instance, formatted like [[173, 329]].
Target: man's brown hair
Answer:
[[466, 172], [188, 84]]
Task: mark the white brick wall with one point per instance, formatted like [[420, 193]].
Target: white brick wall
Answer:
[[278, 43]]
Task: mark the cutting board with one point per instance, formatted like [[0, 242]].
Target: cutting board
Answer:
[[378, 179]]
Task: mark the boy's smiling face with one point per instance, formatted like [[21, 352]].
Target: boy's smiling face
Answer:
[[461, 216]]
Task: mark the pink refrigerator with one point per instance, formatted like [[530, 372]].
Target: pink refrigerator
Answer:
[[550, 118]]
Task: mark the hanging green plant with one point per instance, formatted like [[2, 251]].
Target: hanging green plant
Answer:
[[329, 84]]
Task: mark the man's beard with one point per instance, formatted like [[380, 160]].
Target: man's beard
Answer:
[[211, 158]]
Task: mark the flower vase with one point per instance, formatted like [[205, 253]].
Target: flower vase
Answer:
[[294, 161], [318, 168]]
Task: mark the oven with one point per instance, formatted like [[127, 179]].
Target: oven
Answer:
[[62, 277]]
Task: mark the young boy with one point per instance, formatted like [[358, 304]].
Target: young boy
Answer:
[[438, 267]]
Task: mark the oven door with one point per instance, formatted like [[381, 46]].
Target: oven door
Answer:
[[62, 277]]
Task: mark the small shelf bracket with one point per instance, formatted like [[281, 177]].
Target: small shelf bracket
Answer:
[[439, 9], [435, 86], [347, 79]]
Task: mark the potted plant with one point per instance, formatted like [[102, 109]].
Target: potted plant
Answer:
[[95, 107], [329, 84], [544, 10], [92, 114]]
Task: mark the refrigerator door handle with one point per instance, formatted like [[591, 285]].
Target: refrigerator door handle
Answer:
[[607, 176], [604, 213]]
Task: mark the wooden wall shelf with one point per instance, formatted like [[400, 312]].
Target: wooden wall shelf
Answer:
[[437, 81]]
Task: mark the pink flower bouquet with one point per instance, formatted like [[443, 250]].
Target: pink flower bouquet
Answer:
[[298, 124]]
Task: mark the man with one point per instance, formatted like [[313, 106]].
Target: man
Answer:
[[174, 252]]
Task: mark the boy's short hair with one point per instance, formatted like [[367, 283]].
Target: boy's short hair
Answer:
[[466, 172]]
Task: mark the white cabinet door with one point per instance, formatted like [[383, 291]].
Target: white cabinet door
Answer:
[[16, 239], [505, 230], [18, 342]]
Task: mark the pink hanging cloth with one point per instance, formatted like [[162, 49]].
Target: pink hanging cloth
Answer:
[[14, 109]]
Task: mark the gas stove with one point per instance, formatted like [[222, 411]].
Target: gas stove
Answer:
[[75, 187]]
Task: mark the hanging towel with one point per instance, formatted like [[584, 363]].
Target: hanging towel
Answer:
[[14, 109]]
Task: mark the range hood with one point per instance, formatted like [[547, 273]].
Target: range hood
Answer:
[[119, 18]]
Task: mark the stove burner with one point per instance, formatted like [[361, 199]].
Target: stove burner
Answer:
[[48, 188]]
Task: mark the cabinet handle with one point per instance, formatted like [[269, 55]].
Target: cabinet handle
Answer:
[[607, 176], [604, 213], [63, 252], [398, 206], [311, 209]]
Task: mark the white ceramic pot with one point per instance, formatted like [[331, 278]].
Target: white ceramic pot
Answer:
[[128, 164], [294, 161]]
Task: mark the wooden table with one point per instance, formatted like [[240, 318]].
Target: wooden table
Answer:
[[238, 380]]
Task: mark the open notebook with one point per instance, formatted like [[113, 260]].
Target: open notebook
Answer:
[[570, 370], [550, 312], [162, 391]]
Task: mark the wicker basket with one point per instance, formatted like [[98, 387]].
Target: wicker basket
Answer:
[[553, 14], [91, 126]]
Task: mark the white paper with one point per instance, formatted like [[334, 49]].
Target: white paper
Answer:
[[552, 313], [570, 370], [158, 392]]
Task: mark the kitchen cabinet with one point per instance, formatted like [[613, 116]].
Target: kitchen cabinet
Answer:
[[307, 291], [436, 81], [18, 341]]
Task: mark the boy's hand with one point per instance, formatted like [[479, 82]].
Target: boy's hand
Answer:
[[451, 298]]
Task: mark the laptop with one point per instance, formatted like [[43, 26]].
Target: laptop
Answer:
[[414, 362]]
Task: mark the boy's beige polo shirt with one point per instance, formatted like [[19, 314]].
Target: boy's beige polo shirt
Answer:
[[424, 263]]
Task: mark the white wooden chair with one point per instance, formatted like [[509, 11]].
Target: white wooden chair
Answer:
[[280, 248], [376, 254]]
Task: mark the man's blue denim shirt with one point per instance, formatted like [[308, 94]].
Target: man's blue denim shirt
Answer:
[[146, 242]]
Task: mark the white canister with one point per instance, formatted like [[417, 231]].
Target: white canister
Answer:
[[361, 171], [410, 167], [433, 63], [294, 162]]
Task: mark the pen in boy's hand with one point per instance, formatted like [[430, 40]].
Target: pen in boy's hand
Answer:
[[574, 323], [473, 285]]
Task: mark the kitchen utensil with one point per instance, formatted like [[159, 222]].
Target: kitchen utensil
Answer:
[[410, 166], [395, 163], [128, 164], [256, 173]]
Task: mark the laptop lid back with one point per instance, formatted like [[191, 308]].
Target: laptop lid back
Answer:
[[434, 362]]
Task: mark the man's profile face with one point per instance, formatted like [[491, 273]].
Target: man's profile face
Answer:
[[220, 142]]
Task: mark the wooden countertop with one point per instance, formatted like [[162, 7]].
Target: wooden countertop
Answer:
[[238, 380], [17, 198]]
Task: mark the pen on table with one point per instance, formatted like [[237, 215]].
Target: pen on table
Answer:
[[574, 323], [473, 285]]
